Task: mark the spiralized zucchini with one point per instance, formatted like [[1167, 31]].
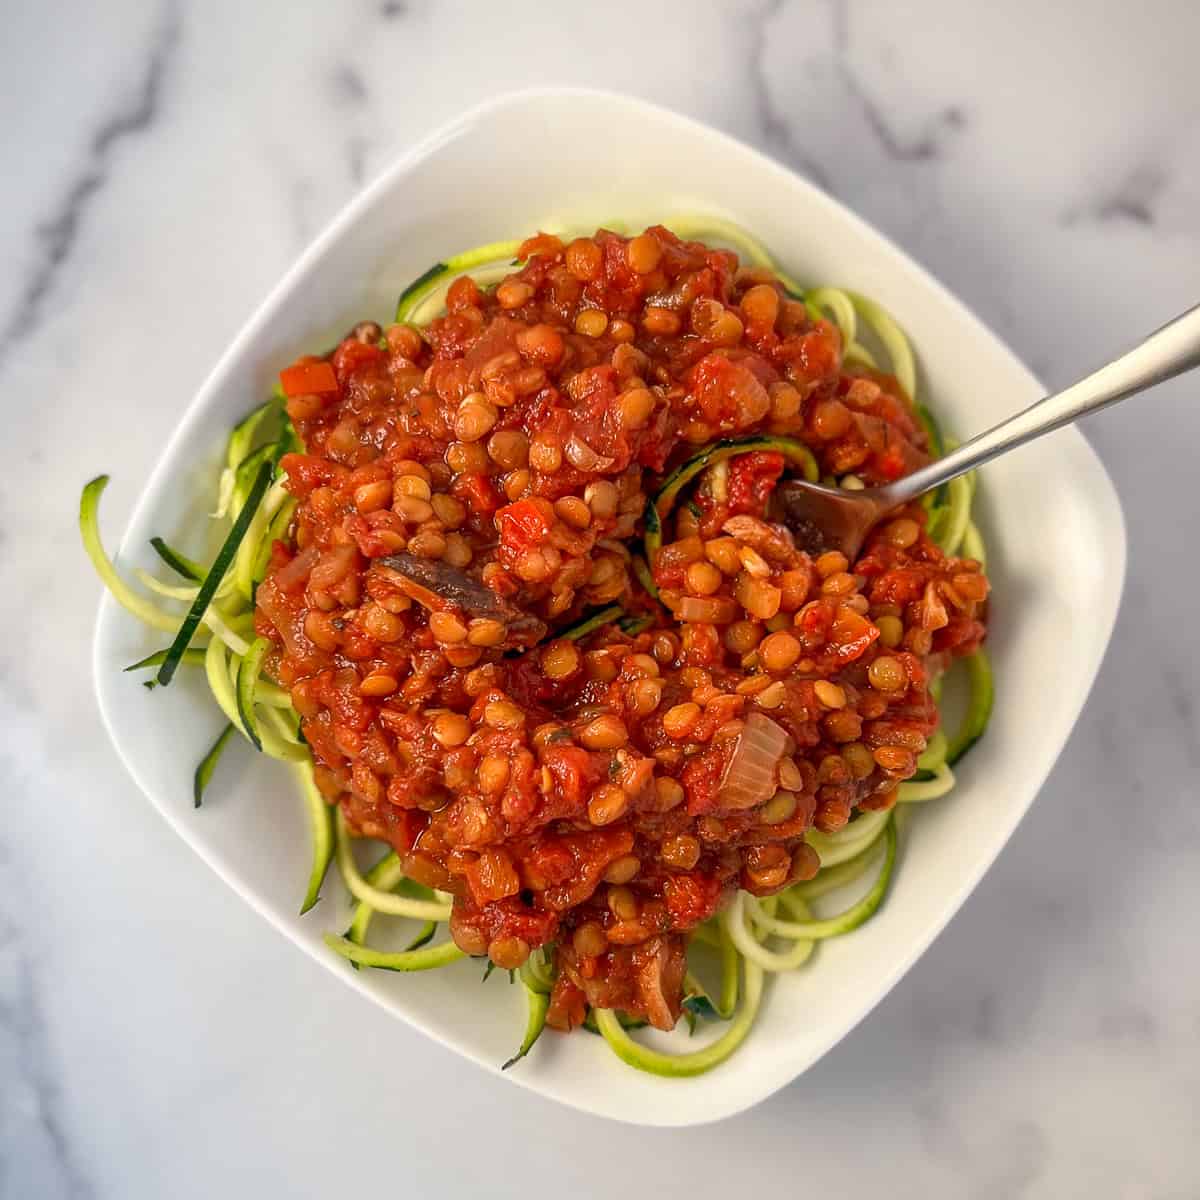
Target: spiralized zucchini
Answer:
[[752, 937]]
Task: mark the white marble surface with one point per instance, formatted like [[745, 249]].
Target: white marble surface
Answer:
[[164, 164]]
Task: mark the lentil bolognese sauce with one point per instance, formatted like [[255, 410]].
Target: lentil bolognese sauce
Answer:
[[509, 590]]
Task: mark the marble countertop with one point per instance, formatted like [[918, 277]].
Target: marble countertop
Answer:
[[165, 163]]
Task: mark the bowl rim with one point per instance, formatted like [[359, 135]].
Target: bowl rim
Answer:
[[345, 219]]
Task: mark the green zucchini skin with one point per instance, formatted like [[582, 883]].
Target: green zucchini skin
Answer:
[[208, 764], [241, 438], [276, 531], [979, 709], [590, 623], [611, 614], [419, 287], [320, 823], [659, 506], [456, 264], [247, 681], [186, 567], [424, 959], [625, 1020], [538, 1003], [217, 572], [858, 914], [192, 657]]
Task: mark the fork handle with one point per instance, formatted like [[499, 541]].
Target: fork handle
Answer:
[[1167, 352]]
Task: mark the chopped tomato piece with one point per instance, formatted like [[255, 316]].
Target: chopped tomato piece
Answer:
[[478, 492], [352, 354], [752, 479], [540, 243], [308, 378], [522, 524]]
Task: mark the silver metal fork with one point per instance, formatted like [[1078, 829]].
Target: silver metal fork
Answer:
[[824, 518]]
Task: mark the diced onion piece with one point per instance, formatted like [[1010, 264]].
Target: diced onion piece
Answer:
[[714, 610], [750, 777], [718, 478], [772, 541], [659, 981], [292, 576], [581, 455]]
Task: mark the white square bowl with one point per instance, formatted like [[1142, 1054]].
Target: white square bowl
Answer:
[[576, 159]]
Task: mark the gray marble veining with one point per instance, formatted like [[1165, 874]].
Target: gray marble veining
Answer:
[[167, 165], [55, 236]]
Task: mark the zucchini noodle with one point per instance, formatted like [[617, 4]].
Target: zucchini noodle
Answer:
[[843, 922], [904, 366], [247, 554], [146, 612], [212, 618], [680, 1066], [715, 229], [384, 876], [424, 959], [848, 842], [958, 516], [972, 545], [249, 669], [538, 972], [279, 741], [751, 937], [935, 752], [431, 304], [381, 901], [537, 1003], [216, 667], [857, 352], [832, 877], [320, 832], [222, 673], [175, 591], [750, 249], [734, 921], [932, 789], [838, 303], [696, 999], [412, 301]]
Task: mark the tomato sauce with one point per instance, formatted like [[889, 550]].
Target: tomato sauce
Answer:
[[469, 491]]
